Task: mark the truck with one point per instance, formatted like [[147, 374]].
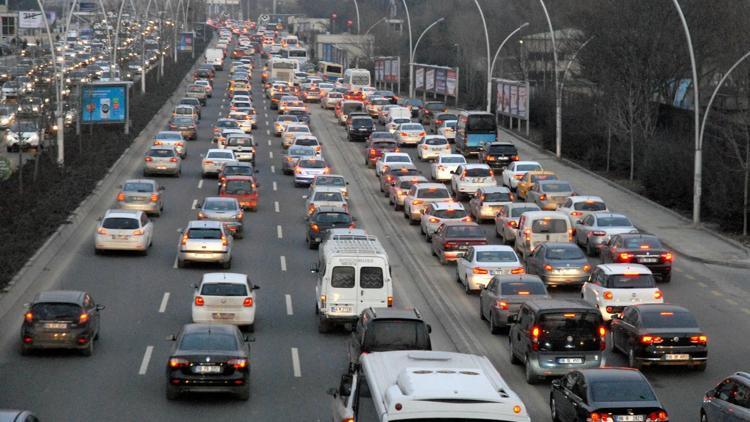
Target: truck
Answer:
[[215, 56]]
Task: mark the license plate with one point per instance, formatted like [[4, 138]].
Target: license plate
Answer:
[[569, 270], [648, 260], [341, 309], [207, 369], [161, 167], [677, 357], [120, 236], [56, 325], [629, 418], [570, 360], [222, 316], [503, 158]]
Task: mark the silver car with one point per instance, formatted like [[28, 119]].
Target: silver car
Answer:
[[550, 194], [324, 196], [488, 200], [171, 138], [331, 181], [504, 296], [162, 159], [141, 194], [506, 219], [400, 187], [292, 156], [291, 132], [205, 241], [307, 169], [225, 210], [438, 213], [559, 264], [409, 133], [242, 145], [594, 231]]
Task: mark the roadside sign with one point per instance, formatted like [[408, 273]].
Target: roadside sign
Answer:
[[5, 168], [264, 18]]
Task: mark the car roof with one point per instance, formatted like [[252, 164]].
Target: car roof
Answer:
[[60, 296], [504, 248], [612, 374], [430, 185], [207, 328], [153, 182], [205, 224], [611, 269], [584, 198], [123, 213], [563, 305], [224, 278], [393, 313], [489, 189], [447, 205]]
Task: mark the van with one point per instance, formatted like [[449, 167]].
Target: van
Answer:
[[352, 275], [541, 226], [348, 107], [554, 336]]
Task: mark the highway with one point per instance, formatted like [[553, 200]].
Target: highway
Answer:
[[148, 298]]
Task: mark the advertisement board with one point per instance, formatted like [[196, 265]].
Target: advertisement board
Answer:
[[440, 80], [104, 103], [512, 99], [523, 99], [186, 41], [394, 73], [451, 82], [30, 19], [429, 79], [419, 78]]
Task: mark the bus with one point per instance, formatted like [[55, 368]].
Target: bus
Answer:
[[283, 69], [474, 129], [411, 385], [330, 71], [297, 53], [356, 79]]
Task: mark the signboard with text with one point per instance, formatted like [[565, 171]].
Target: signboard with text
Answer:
[[419, 78], [429, 79], [440, 81], [186, 41], [451, 82], [30, 19], [512, 98], [387, 69], [104, 103]]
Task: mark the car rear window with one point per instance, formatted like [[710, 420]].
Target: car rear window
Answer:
[[642, 243], [557, 187], [465, 231], [220, 205], [503, 149], [631, 281], [569, 331], [498, 197], [330, 181], [528, 167], [342, 277], [538, 177], [333, 217], [121, 223], [381, 145], [362, 123], [453, 160], [239, 141], [496, 256], [573, 252], [56, 311], [408, 184], [371, 277], [668, 319], [477, 172], [238, 187], [552, 225], [412, 127], [621, 391], [307, 142], [237, 170], [433, 193], [312, 164], [516, 212], [613, 222], [204, 234], [206, 341], [523, 288], [161, 152], [220, 154], [395, 334], [590, 206], [451, 213], [436, 141], [328, 196], [223, 289], [398, 159], [138, 187]]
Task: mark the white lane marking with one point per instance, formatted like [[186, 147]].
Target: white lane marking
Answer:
[[200, 184], [195, 204], [276, 205], [275, 187], [295, 363], [702, 284], [716, 293], [289, 310], [689, 276], [267, 123], [745, 310], [273, 169], [174, 264], [146, 359], [279, 233], [269, 143], [731, 302], [268, 132], [164, 301], [266, 115], [283, 263], [270, 154]]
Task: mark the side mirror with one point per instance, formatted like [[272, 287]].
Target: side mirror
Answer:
[[248, 339], [100, 307], [315, 269], [513, 319], [345, 387], [429, 329], [304, 197], [171, 337], [180, 230], [194, 285], [257, 171], [332, 392]]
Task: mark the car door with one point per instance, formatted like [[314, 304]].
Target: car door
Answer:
[[520, 333], [343, 291], [591, 287], [740, 410], [487, 298], [562, 396], [533, 261], [583, 227], [148, 228], [437, 239], [718, 406], [371, 290], [464, 263]]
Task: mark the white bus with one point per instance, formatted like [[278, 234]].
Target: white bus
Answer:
[[297, 53], [290, 41], [283, 69], [330, 71], [356, 79], [409, 385]]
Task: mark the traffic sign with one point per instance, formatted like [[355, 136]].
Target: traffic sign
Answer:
[[5, 168], [264, 18]]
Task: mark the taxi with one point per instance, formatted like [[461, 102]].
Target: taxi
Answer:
[[530, 179]]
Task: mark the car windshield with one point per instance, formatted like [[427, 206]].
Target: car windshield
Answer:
[[621, 391], [502, 149], [333, 217], [565, 253], [161, 152], [433, 193], [613, 222], [312, 164], [239, 141], [167, 136], [496, 256], [208, 341], [56, 311], [465, 231], [590, 206], [329, 181], [668, 319], [498, 197], [528, 167], [642, 243], [138, 187], [453, 160], [450, 213], [569, 331], [328, 196], [216, 205], [631, 281], [557, 187], [517, 212], [121, 223], [184, 121], [301, 151], [385, 335], [226, 155], [477, 172], [238, 187], [223, 289], [201, 233], [522, 288], [398, 159]]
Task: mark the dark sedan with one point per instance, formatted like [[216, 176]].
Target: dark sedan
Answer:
[[378, 143], [644, 249], [605, 395], [452, 240], [323, 219], [187, 126], [209, 358], [504, 295]]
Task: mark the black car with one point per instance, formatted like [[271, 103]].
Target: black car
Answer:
[[498, 154], [302, 115], [428, 110], [360, 129], [641, 248], [386, 329], [61, 319], [612, 394], [659, 334], [325, 218], [209, 358]]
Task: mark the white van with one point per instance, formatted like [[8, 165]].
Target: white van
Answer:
[[353, 274], [536, 227]]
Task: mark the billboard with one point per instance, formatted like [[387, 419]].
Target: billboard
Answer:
[[440, 80], [104, 103], [87, 7], [512, 99], [451, 82], [186, 41], [379, 64], [419, 78], [30, 19], [429, 79], [387, 69]]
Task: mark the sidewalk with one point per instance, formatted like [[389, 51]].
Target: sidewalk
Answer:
[[676, 231]]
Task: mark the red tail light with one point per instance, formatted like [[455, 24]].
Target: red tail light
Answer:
[[512, 224], [597, 233], [479, 270], [184, 239], [238, 363], [224, 241], [651, 340], [178, 363], [434, 220], [83, 318], [315, 228], [519, 270], [448, 245], [699, 340], [535, 332], [515, 158], [199, 301], [667, 257], [543, 197], [173, 159], [148, 159], [608, 295], [373, 151], [121, 196], [154, 197], [658, 295], [548, 267], [660, 416], [624, 257], [390, 301], [248, 302], [602, 338], [576, 214], [503, 306]]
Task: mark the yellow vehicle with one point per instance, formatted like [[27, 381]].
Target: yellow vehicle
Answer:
[[234, 85], [530, 178]]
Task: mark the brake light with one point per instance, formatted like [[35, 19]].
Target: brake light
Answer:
[[154, 197], [699, 340], [535, 332], [28, 316], [624, 257], [515, 158], [479, 270], [466, 219], [390, 301], [434, 220], [527, 234], [297, 170], [83, 318], [248, 302], [373, 151], [599, 417], [178, 363], [173, 159], [201, 215], [322, 301], [417, 202], [148, 159], [121, 196], [224, 241], [238, 363], [184, 239], [503, 306], [518, 176], [138, 232], [519, 270], [512, 224], [660, 416], [667, 257], [315, 228], [311, 209], [658, 295], [207, 162], [608, 295], [448, 245], [548, 267], [576, 214], [597, 233], [651, 340], [102, 230], [586, 267], [326, 170], [422, 133]]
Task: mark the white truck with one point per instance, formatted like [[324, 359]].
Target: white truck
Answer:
[[215, 56]]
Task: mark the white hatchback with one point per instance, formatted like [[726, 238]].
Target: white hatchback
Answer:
[[612, 287], [391, 158], [442, 168], [129, 230], [225, 298]]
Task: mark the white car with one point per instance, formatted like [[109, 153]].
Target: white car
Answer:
[[409, 133], [578, 207], [612, 287], [438, 213], [226, 298], [480, 263], [292, 131], [324, 196], [421, 195], [391, 158], [469, 178], [214, 160], [331, 181], [448, 129], [128, 230], [307, 169], [433, 146], [515, 171], [442, 168], [393, 122], [506, 219]]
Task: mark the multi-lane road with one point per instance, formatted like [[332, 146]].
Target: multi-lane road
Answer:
[[148, 298]]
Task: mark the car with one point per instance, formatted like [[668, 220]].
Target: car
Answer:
[[192, 102], [209, 358], [292, 131], [295, 153], [198, 92], [375, 104], [187, 126], [504, 295], [594, 231], [205, 241], [141, 194], [389, 158], [13, 415], [529, 179], [506, 219], [550, 194], [323, 196], [400, 186], [498, 155], [729, 397], [171, 138], [224, 123], [467, 179], [388, 95], [437, 213], [516, 170], [311, 94], [659, 334], [393, 122], [124, 230], [306, 170], [391, 172], [226, 298], [242, 188], [432, 146], [611, 287], [641, 248], [429, 109], [323, 219], [302, 115], [308, 141], [559, 264], [448, 130], [605, 394], [444, 165], [486, 202], [452, 239], [419, 196], [386, 329], [409, 133], [439, 119], [330, 100], [235, 168], [214, 160], [480, 263], [579, 206], [282, 121], [225, 209], [360, 129], [206, 84], [413, 104], [335, 181], [242, 145], [23, 135], [61, 319]]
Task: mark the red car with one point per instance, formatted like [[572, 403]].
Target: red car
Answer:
[[452, 239], [243, 188], [354, 95], [377, 145]]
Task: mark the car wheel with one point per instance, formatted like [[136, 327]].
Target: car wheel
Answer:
[[531, 377], [553, 410], [89, 350], [632, 361], [704, 418], [226, 265], [666, 278], [494, 329], [244, 393], [441, 258], [467, 290], [172, 392], [481, 310], [145, 251]]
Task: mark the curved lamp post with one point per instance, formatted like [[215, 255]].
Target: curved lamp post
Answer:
[[502, 44], [413, 54], [489, 64], [411, 48]]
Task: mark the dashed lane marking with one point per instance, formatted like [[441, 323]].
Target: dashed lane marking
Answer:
[[279, 232], [146, 359], [195, 204], [289, 310], [283, 263], [200, 184], [295, 363], [276, 205], [164, 301], [275, 186]]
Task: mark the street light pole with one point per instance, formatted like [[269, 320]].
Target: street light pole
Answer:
[[502, 44], [58, 92], [356, 9], [414, 52], [373, 25], [558, 100], [411, 48], [489, 64], [117, 42], [570, 62]]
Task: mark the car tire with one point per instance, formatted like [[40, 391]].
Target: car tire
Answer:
[[172, 392], [531, 377], [493, 328], [181, 263], [226, 265], [97, 251], [513, 359], [632, 361], [666, 278], [553, 410], [481, 311], [89, 350], [244, 393]]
